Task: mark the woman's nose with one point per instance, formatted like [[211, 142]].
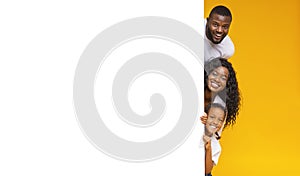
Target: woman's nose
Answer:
[[217, 79]]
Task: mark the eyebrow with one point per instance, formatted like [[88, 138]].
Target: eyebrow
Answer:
[[222, 118], [211, 115], [218, 21]]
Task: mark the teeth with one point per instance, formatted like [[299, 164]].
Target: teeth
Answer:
[[213, 127], [215, 85]]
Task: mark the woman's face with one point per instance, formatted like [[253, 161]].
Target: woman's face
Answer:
[[217, 79]]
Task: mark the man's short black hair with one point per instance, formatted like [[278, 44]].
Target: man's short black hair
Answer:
[[220, 10]]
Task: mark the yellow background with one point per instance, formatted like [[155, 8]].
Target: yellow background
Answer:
[[266, 137]]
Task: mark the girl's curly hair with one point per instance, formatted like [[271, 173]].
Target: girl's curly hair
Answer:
[[231, 94]]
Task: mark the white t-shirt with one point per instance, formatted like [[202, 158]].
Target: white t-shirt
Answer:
[[224, 49]]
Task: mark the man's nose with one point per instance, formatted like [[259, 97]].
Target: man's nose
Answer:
[[219, 29]]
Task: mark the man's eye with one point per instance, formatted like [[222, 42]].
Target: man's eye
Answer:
[[225, 27]]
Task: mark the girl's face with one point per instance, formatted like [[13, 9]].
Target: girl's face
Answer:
[[217, 79], [215, 119]]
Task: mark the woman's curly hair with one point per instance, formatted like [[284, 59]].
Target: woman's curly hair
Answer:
[[230, 95]]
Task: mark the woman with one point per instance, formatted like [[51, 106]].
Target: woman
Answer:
[[221, 86]]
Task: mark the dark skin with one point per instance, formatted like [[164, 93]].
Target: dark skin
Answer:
[[217, 27], [208, 155]]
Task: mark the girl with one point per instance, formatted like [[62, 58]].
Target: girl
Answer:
[[216, 114]]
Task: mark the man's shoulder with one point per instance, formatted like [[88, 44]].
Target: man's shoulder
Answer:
[[228, 45], [227, 42]]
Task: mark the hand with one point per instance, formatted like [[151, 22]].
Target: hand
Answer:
[[204, 118], [207, 141]]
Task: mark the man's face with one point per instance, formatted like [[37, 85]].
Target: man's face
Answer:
[[217, 27]]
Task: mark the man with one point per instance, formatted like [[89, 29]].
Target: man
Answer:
[[216, 41]]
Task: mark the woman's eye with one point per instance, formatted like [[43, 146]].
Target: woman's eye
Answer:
[[224, 78], [214, 73]]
